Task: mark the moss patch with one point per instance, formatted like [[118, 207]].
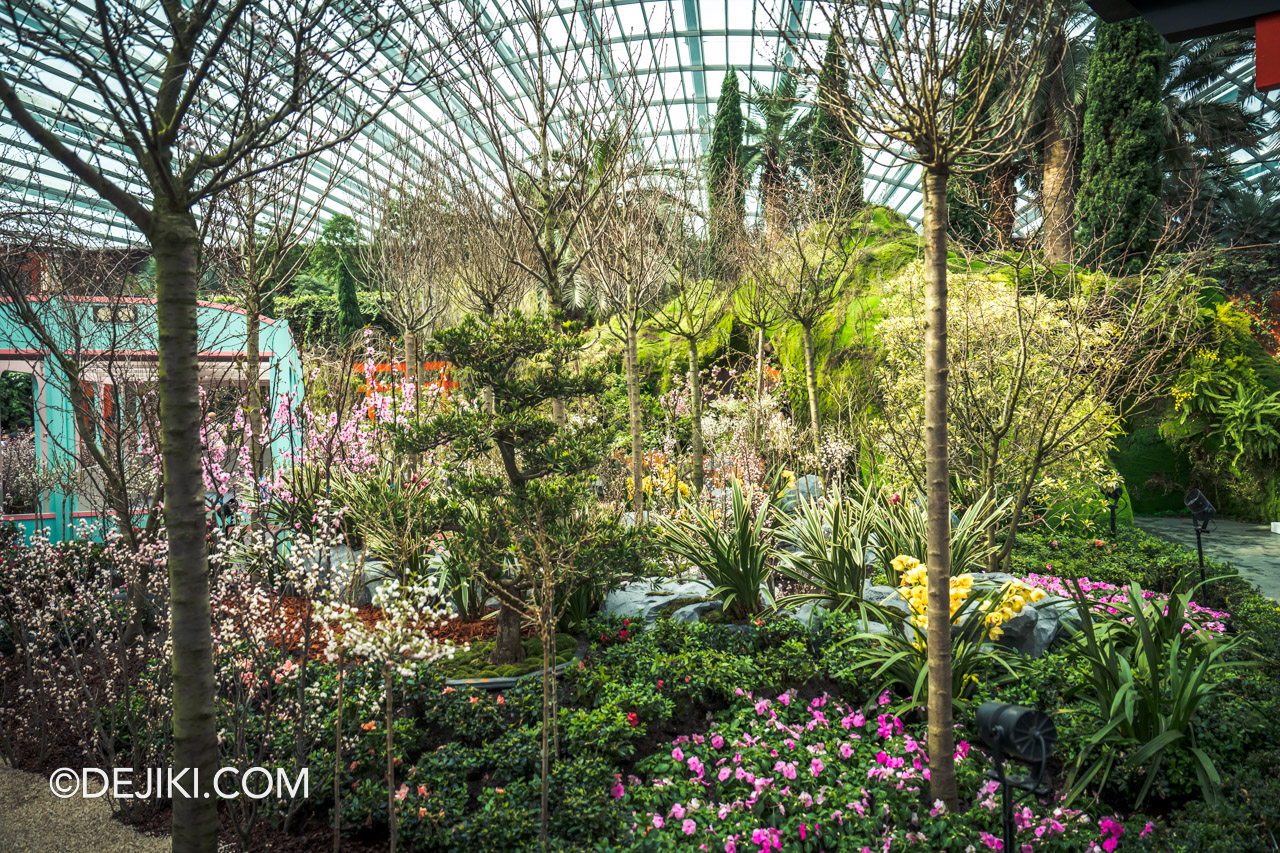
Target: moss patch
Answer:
[[474, 663]]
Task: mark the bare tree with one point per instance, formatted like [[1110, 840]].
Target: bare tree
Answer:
[[266, 222], [912, 102], [531, 97], [801, 263], [487, 281], [697, 304], [410, 255], [627, 275], [152, 91]]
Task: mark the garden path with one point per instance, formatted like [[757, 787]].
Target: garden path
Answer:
[[35, 821], [1252, 548]]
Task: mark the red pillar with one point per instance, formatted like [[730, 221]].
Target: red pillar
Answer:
[[1267, 56]]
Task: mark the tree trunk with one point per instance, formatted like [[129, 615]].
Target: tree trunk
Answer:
[[252, 380], [633, 410], [412, 366], [176, 243], [1004, 199], [1056, 210], [506, 645], [938, 511], [391, 758], [695, 405], [757, 426], [1058, 153], [811, 387]]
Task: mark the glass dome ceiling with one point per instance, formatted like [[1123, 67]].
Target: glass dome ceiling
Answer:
[[681, 48]]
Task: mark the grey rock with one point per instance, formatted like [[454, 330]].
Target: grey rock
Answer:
[[643, 599], [887, 597], [695, 612]]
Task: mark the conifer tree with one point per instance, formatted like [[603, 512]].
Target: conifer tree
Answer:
[[1119, 206], [350, 320], [833, 145], [724, 166]]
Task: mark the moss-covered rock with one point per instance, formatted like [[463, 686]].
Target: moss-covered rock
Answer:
[[474, 662]]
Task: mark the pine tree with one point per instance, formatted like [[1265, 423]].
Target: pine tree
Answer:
[[1119, 207], [350, 320], [724, 160], [834, 147]]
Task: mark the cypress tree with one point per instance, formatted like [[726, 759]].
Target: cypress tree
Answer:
[[1119, 208], [724, 161], [834, 147], [350, 320]]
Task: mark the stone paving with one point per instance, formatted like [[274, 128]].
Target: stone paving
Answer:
[[1252, 549]]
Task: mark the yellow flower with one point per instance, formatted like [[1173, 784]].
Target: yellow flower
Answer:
[[996, 633], [1036, 595]]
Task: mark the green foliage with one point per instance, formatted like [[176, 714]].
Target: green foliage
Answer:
[[1147, 681], [830, 548], [474, 663], [1119, 205], [313, 318], [901, 527], [968, 219], [390, 509], [350, 317], [836, 154], [338, 239], [736, 561]]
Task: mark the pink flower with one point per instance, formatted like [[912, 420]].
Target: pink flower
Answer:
[[658, 822], [677, 811], [884, 699], [1146, 829], [717, 742], [846, 751], [802, 832], [724, 773], [695, 766], [618, 791], [402, 792], [677, 754], [785, 698], [816, 767], [991, 841], [689, 827]]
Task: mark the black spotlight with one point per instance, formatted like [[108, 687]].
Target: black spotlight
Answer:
[[1113, 494], [1201, 514], [1022, 734]]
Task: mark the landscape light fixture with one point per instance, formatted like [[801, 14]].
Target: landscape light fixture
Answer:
[[1201, 514], [1113, 492], [1022, 734]]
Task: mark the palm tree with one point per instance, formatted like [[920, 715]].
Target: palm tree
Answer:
[[1248, 212], [778, 132]]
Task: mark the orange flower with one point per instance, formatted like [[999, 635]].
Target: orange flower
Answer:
[[370, 726], [422, 813], [475, 699], [501, 701], [448, 690]]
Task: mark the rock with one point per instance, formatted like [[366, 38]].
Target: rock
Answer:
[[887, 597], [808, 613], [807, 488], [643, 599], [695, 612]]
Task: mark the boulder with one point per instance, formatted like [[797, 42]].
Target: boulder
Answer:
[[643, 599], [887, 597], [696, 611]]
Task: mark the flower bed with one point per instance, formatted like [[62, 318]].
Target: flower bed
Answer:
[[1105, 595], [819, 774]]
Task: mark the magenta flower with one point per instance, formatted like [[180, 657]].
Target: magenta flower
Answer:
[[816, 767], [717, 742], [846, 751], [618, 791]]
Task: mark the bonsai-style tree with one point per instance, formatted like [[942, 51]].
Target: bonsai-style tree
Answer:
[[508, 454]]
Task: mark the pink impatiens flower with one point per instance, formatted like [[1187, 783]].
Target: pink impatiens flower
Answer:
[[677, 754], [618, 791], [689, 827], [816, 766]]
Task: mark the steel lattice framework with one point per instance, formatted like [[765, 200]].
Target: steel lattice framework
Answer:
[[684, 47]]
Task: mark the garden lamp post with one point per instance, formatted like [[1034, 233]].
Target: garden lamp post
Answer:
[[1113, 492], [1201, 514], [1022, 734]]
